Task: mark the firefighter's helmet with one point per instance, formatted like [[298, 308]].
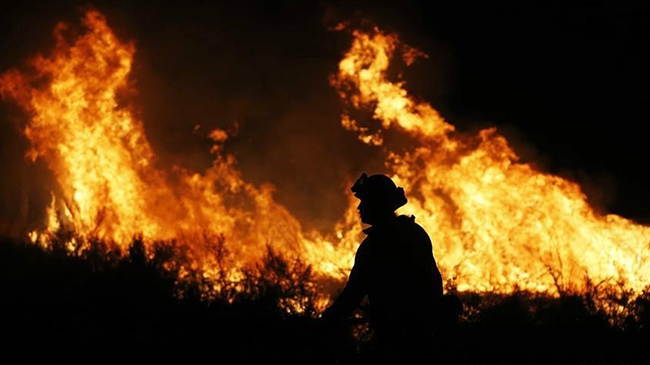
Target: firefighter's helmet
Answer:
[[379, 188]]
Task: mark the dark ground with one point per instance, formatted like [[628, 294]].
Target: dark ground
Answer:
[[96, 306]]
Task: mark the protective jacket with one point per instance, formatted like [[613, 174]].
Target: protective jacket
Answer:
[[395, 268]]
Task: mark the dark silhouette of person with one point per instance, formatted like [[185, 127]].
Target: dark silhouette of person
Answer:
[[394, 267]]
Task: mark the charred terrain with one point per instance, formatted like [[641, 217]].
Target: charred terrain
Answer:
[[100, 305]]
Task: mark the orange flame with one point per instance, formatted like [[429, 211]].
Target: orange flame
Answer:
[[496, 224], [110, 187]]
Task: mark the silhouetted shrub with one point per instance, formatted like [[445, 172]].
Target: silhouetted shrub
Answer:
[[97, 302], [282, 284]]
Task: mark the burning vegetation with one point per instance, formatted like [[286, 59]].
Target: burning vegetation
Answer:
[[110, 189], [519, 246], [497, 225]]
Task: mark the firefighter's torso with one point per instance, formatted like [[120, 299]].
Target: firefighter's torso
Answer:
[[397, 267]]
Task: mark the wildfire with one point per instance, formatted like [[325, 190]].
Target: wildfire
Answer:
[[496, 224], [110, 187]]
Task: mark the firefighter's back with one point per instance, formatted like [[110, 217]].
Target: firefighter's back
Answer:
[[405, 281]]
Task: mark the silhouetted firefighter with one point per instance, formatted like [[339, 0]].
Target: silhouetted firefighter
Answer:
[[395, 268]]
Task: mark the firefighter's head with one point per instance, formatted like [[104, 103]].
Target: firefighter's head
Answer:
[[379, 196]]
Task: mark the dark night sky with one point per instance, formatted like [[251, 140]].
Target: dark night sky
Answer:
[[567, 84]]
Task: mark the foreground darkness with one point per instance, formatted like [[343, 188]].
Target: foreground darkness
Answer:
[[96, 306]]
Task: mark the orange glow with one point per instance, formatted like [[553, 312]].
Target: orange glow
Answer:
[[110, 187], [496, 224]]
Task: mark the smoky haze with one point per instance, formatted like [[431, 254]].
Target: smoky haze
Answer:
[[260, 71]]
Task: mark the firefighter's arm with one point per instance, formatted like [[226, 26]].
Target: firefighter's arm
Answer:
[[354, 291]]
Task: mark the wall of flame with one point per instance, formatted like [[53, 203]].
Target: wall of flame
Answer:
[[496, 224]]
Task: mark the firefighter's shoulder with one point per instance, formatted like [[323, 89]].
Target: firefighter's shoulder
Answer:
[[408, 222], [414, 230]]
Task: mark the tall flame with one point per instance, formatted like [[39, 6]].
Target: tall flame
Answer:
[[110, 187], [496, 224]]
